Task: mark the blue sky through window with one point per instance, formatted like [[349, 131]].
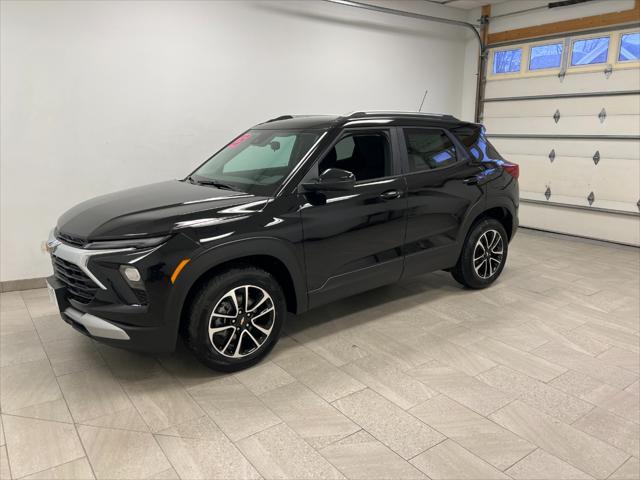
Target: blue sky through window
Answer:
[[590, 51], [507, 61], [629, 47], [545, 56]]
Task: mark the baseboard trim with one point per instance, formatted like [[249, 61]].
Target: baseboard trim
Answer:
[[25, 284]]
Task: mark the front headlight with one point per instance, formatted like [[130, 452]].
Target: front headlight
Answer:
[[129, 243]]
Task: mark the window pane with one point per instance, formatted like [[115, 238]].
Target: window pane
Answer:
[[545, 56], [366, 156], [259, 157], [428, 149], [588, 52], [507, 61], [629, 47]]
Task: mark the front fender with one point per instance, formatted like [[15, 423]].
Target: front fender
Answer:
[[277, 248]]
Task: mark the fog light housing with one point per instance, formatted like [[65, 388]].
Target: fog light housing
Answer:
[[131, 273]]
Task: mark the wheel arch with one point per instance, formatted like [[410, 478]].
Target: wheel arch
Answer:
[[270, 254]]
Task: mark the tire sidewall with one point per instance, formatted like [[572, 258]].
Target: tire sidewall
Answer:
[[208, 299], [471, 277]]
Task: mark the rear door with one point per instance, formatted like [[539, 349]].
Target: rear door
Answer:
[[353, 239], [441, 192]]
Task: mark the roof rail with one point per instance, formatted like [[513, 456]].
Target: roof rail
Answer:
[[281, 117], [360, 114]]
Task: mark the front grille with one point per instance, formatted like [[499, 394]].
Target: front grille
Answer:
[[79, 286], [70, 240]]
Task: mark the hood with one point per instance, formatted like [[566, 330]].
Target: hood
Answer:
[[155, 209]]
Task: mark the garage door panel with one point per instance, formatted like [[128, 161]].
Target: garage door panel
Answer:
[[582, 222], [608, 149], [576, 125], [620, 80], [589, 106]]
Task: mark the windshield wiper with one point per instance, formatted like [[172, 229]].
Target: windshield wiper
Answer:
[[213, 183]]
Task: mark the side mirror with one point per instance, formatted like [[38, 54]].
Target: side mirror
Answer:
[[331, 180]]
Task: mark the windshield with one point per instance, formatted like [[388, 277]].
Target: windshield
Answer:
[[257, 162]]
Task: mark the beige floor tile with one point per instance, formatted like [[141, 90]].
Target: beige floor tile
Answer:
[[594, 367], [205, 458], [122, 454], [51, 328], [55, 410], [377, 374], [629, 471], [233, 407], [311, 417], [264, 377], [537, 394], [454, 333], [612, 429], [278, 453], [401, 354], [634, 388], [27, 384], [449, 461], [202, 427], [470, 392], [620, 402], [74, 470], [92, 393], [613, 335], [15, 321], [314, 371], [130, 366], [583, 451], [20, 347], [57, 443], [186, 368], [523, 362], [5, 471], [623, 358], [541, 465], [362, 457], [401, 432], [72, 354], [482, 437], [39, 304], [127, 419], [2, 440], [169, 474], [162, 401], [11, 301]]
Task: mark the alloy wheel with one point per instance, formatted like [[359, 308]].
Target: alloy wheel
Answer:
[[488, 254], [242, 321]]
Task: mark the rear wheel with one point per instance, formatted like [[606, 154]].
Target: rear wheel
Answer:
[[236, 319], [483, 255]]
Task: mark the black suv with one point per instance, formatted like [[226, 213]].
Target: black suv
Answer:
[[295, 212]]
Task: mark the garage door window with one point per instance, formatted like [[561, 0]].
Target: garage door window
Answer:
[[545, 56], [629, 47], [590, 51], [507, 61]]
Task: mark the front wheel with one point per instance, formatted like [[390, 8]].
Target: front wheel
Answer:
[[483, 255], [236, 319]]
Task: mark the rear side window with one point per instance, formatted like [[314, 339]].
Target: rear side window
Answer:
[[428, 149], [473, 137]]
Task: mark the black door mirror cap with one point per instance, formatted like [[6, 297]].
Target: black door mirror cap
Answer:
[[331, 180]]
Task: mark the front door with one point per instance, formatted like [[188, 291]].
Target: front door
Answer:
[[353, 239], [440, 196]]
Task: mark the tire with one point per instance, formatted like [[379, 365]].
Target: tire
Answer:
[[218, 348], [481, 275]]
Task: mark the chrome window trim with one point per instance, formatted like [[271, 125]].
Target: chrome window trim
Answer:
[[79, 256]]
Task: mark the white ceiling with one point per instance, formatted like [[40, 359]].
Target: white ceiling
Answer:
[[466, 4]]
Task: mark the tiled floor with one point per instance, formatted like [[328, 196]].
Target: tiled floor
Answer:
[[534, 378]]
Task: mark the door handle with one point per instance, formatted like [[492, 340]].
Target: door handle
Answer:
[[390, 194], [472, 180]]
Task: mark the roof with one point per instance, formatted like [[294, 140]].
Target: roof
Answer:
[[356, 119]]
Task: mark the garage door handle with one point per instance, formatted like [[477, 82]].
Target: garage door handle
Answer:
[[390, 194]]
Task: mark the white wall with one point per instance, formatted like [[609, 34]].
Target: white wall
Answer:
[[101, 96]]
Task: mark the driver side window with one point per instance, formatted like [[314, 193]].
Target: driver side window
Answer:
[[366, 155]]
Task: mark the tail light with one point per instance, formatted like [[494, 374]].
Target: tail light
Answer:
[[512, 169]]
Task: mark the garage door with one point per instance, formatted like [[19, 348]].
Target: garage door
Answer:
[[568, 111]]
